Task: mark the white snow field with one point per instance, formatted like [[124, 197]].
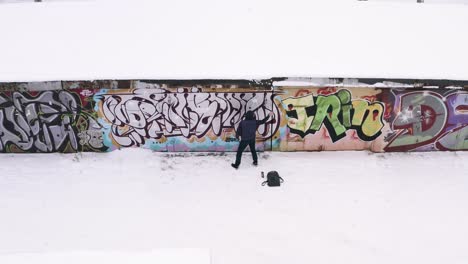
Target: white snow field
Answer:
[[136, 206], [147, 39], [334, 207]]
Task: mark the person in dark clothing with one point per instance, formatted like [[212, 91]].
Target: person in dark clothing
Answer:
[[246, 131]]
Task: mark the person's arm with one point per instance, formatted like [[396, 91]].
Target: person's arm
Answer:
[[263, 121]]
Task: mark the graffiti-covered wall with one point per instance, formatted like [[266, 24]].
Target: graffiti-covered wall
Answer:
[[428, 120], [333, 118], [169, 116], [182, 119]]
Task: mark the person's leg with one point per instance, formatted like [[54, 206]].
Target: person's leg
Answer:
[[254, 153], [242, 145]]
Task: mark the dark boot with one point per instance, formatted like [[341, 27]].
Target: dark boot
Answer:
[[235, 166], [254, 153]]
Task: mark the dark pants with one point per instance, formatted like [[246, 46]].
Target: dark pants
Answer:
[[242, 145]]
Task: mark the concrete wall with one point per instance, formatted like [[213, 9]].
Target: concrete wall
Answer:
[[107, 115]]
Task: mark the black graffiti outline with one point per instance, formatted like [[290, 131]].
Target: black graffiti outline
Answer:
[[43, 121], [225, 111], [436, 138], [311, 111]]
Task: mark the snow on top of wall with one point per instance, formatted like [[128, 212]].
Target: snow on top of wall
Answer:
[[242, 39], [339, 83]]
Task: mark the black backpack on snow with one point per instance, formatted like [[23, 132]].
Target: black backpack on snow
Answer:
[[273, 179]]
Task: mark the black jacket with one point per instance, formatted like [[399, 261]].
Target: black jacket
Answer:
[[248, 127]]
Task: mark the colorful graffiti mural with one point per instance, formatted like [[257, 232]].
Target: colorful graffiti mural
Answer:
[[337, 112], [48, 121], [428, 120], [107, 115], [142, 114], [331, 118]]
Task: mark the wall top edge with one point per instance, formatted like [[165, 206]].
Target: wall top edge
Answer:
[[222, 84]]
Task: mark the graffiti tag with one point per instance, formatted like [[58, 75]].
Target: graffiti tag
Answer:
[[337, 112], [428, 118], [153, 113], [39, 124]]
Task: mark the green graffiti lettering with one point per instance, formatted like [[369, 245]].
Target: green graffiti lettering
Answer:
[[346, 112], [328, 108], [346, 106], [367, 119], [298, 119], [338, 112]]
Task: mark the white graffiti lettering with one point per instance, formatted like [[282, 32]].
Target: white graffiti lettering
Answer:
[[152, 113], [38, 124]]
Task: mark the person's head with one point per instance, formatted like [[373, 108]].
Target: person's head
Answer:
[[249, 115]]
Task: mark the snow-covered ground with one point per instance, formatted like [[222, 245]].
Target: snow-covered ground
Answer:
[[335, 207]]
